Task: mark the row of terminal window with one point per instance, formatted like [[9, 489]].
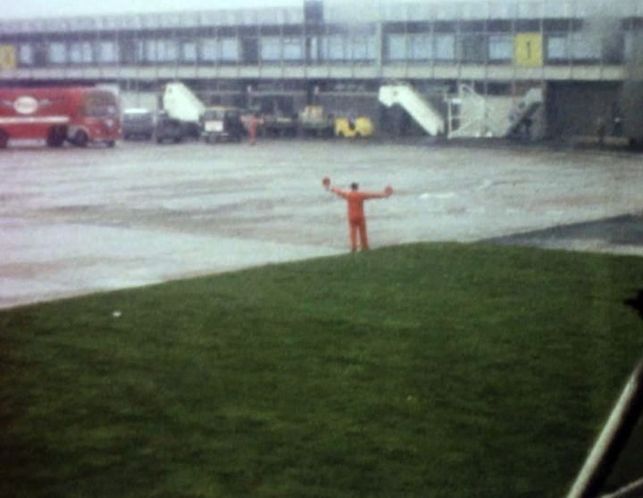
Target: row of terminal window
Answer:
[[445, 47]]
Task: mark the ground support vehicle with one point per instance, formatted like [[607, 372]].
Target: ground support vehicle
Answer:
[[138, 123], [167, 129], [279, 125], [361, 127], [222, 124], [182, 105], [313, 121], [79, 115]]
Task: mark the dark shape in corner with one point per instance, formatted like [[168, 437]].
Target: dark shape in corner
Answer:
[[636, 302]]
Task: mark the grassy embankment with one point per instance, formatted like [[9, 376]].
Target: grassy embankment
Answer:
[[427, 370]]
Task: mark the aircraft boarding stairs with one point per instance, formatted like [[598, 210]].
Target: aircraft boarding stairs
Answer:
[[412, 102], [524, 110], [473, 115], [181, 103], [469, 113]]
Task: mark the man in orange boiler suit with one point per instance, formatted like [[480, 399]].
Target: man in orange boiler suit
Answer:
[[356, 218]]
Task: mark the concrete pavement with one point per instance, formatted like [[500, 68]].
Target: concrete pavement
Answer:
[[76, 221]]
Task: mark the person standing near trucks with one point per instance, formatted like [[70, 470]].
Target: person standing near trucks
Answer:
[[253, 125], [356, 217]]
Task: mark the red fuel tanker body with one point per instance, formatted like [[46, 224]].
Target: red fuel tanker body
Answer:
[[79, 115]]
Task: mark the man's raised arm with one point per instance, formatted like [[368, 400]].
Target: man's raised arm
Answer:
[[334, 190], [387, 192], [338, 191]]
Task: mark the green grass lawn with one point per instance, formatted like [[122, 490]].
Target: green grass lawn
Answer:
[[420, 371]]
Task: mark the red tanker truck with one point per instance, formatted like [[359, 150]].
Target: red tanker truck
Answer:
[[79, 115]]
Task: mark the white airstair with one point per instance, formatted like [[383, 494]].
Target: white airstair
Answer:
[[468, 114], [412, 102], [180, 103], [524, 110], [471, 115]]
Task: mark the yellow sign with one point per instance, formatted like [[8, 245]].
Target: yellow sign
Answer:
[[7, 57], [528, 49]]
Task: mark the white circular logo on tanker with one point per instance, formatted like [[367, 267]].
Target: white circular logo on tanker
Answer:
[[25, 105]]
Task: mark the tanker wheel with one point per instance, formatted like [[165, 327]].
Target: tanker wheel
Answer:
[[81, 138], [4, 139]]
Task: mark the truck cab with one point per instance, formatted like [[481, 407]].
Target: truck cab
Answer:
[[221, 124], [167, 129]]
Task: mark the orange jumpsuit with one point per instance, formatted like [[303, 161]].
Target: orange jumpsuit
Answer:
[[253, 125], [356, 218]]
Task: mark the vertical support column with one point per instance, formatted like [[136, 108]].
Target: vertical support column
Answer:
[[570, 32], [543, 82], [117, 53], [239, 61], [282, 59], [432, 20], [99, 59], [406, 41], [458, 47], [197, 43], [177, 49], [306, 40], [379, 54], [218, 48], [486, 36], [514, 20], [138, 61], [379, 46]]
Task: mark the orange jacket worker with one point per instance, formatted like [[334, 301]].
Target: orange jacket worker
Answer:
[[252, 126], [356, 218]]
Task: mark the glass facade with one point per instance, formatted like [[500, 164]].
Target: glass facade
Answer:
[[25, 55], [230, 50], [80, 53], [444, 45], [396, 48], [293, 49], [519, 41], [57, 53], [557, 48], [219, 50], [585, 46], [271, 49], [345, 48], [189, 51], [500, 48], [106, 52], [419, 47]]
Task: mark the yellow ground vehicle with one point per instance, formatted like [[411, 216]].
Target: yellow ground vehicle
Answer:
[[354, 128]]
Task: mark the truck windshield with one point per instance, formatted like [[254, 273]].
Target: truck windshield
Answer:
[[137, 117], [101, 105], [213, 115]]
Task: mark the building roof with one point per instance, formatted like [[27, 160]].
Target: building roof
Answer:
[[355, 12]]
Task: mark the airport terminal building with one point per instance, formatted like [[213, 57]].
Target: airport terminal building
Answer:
[[339, 55]]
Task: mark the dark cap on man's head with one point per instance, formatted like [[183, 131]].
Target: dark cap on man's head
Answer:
[[354, 186]]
